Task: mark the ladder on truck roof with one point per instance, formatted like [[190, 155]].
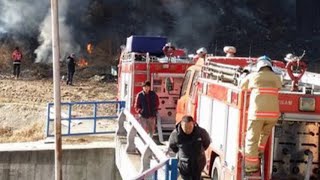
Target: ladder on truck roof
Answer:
[[222, 72]]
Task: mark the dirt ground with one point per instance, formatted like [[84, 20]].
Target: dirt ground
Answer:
[[23, 104]]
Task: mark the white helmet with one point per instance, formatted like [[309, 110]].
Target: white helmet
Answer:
[[168, 44], [230, 51], [263, 63], [290, 57], [202, 51]]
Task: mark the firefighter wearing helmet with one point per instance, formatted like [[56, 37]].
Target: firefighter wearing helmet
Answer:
[[201, 55], [168, 50], [263, 112]]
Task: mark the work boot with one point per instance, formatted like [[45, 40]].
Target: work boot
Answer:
[[254, 175], [252, 169]]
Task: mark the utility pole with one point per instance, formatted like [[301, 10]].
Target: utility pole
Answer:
[[56, 92]]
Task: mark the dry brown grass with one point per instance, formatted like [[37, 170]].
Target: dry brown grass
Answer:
[[5, 56], [87, 139], [6, 132], [26, 100], [33, 132]]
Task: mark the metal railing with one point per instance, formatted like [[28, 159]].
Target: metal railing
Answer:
[[80, 113], [138, 139]]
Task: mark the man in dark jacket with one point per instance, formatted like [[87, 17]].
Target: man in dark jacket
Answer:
[[71, 68], [190, 142], [146, 104]]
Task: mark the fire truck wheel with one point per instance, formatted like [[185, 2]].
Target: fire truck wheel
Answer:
[[216, 169]]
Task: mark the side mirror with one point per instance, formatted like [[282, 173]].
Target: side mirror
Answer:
[[169, 84]]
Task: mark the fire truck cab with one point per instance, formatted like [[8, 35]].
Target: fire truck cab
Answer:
[[143, 59], [211, 94]]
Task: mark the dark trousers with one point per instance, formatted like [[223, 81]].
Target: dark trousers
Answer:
[[70, 77], [16, 70], [196, 176]]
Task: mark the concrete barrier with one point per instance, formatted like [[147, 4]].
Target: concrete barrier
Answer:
[[78, 164]]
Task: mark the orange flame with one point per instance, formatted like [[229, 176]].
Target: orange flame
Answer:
[[89, 48], [82, 63]]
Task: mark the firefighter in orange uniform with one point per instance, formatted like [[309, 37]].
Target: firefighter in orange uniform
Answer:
[[263, 112]]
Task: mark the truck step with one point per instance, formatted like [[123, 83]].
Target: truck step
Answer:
[[252, 178], [168, 126]]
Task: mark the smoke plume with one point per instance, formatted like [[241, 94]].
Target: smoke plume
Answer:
[[67, 44], [30, 18], [267, 25], [192, 29], [22, 17]]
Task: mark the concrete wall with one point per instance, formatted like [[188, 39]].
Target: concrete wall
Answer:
[[78, 164]]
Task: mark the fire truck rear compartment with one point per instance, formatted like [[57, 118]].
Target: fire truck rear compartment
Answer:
[[293, 142]]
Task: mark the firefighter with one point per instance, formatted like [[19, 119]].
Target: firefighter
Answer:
[[190, 142], [263, 112], [168, 50], [201, 53], [71, 65], [146, 105], [16, 58]]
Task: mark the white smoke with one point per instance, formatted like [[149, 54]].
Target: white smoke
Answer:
[[32, 17], [22, 17], [2, 30], [67, 44]]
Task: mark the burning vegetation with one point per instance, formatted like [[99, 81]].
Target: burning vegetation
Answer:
[[82, 63]]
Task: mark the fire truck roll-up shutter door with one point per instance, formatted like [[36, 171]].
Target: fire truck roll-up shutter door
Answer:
[[204, 116], [214, 121], [232, 138], [219, 125]]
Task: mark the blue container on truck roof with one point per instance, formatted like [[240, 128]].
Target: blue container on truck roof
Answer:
[[144, 44]]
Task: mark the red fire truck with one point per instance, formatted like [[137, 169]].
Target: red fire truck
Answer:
[[143, 59], [210, 93]]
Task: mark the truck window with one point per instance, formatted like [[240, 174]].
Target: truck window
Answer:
[[194, 79], [185, 83]]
